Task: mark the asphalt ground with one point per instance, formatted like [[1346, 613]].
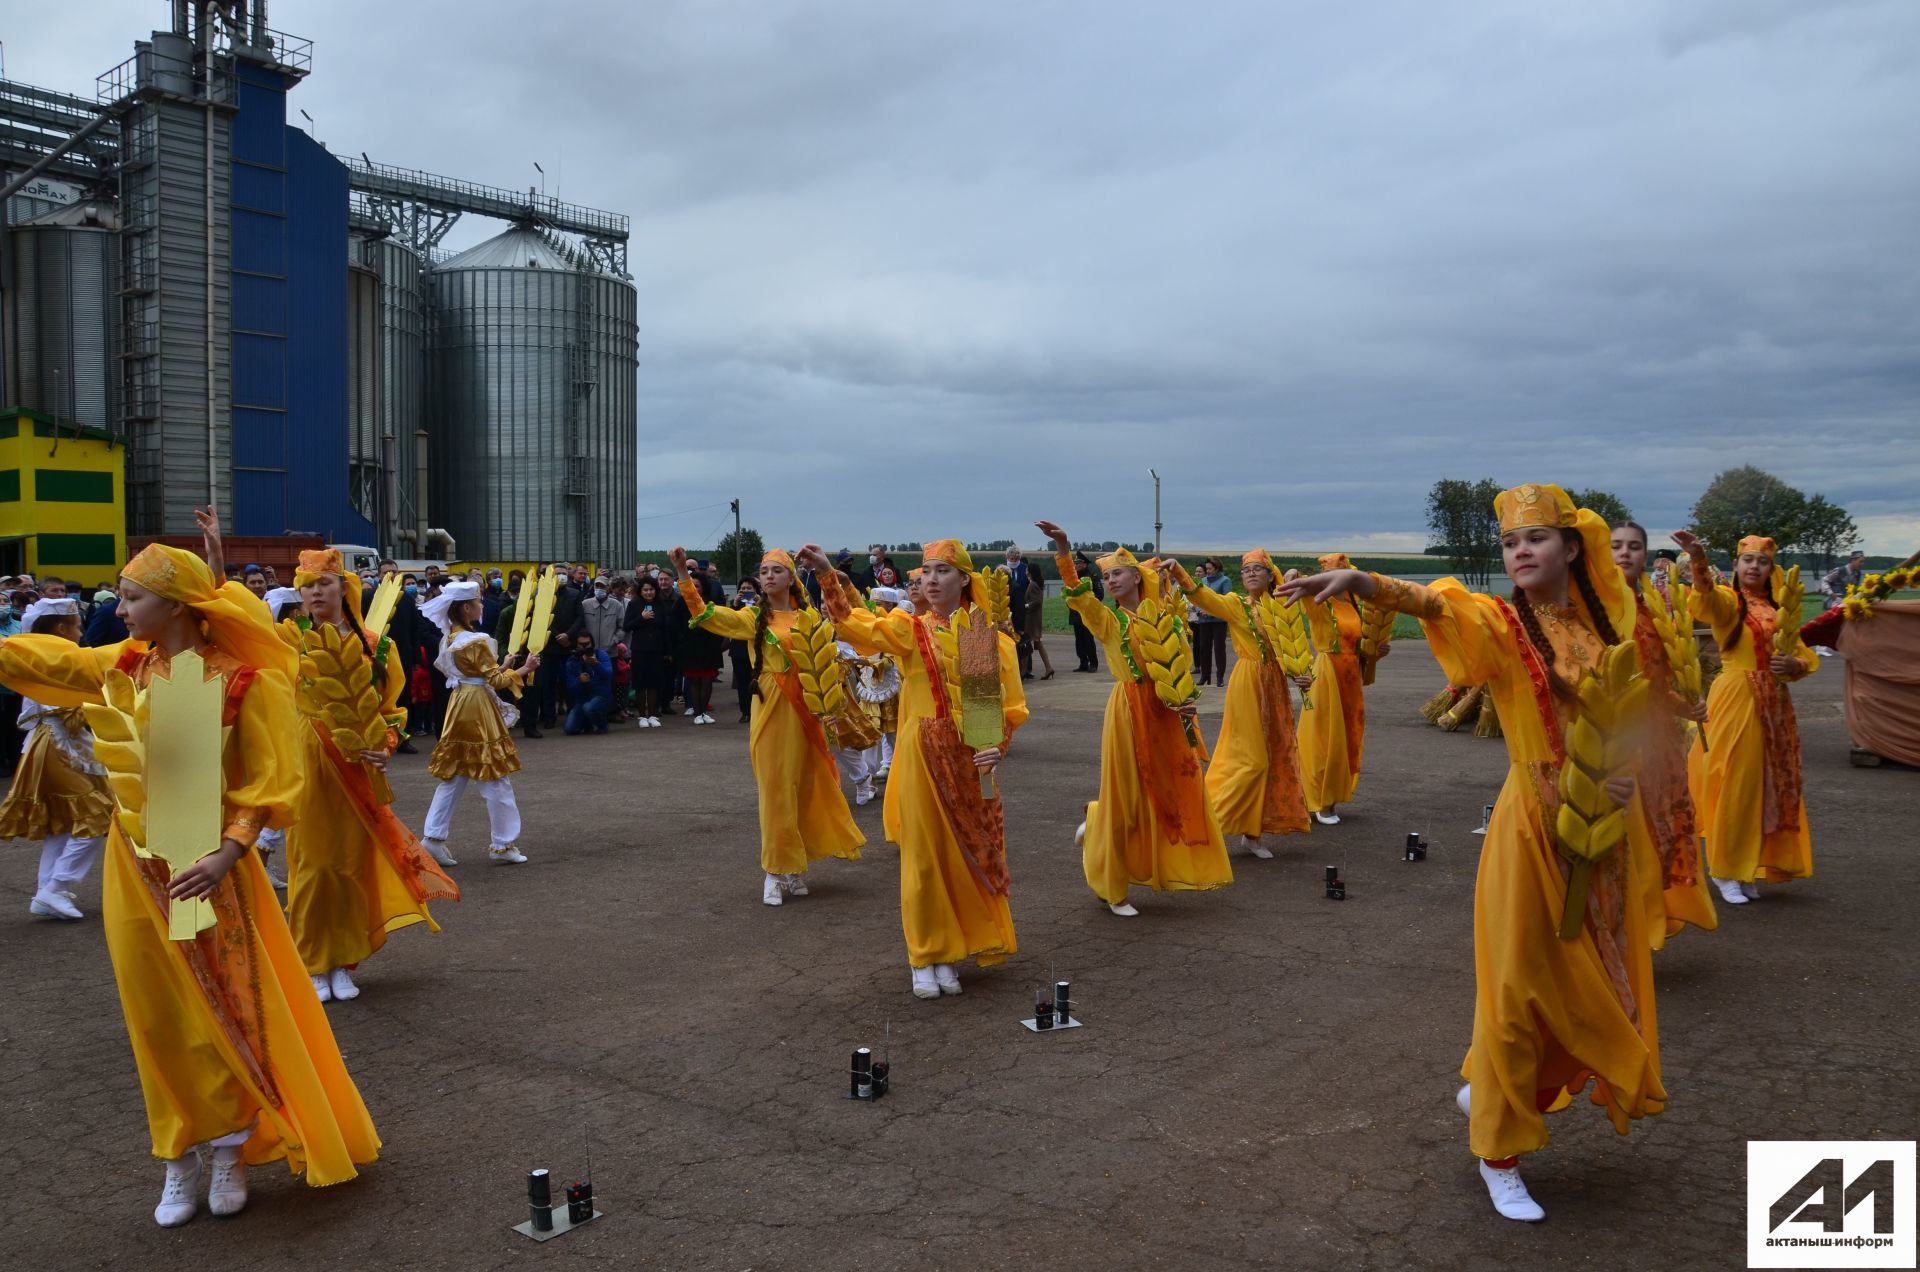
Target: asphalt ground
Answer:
[[1265, 1078]]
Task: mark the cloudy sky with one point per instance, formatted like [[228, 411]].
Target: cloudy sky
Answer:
[[912, 267]]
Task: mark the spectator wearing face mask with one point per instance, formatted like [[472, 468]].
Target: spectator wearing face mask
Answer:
[[493, 599], [589, 687], [600, 614]]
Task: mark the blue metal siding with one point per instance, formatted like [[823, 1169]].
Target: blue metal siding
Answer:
[[260, 303], [317, 444]]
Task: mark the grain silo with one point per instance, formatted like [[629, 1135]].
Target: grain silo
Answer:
[[403, 392], [365, 454], [61, 315], [532, 398]]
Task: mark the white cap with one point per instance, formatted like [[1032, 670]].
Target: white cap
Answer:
[[63, 606]]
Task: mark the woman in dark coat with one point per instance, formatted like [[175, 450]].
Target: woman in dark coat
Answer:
[[649, 623]]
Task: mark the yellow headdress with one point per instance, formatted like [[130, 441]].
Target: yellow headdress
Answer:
[[779, 556], [1149, 570], [1120, 556], [1335, 561], [1544, 505], [315, 562], [955, 554], [236, 620], [1260, 558], [1758, 543]]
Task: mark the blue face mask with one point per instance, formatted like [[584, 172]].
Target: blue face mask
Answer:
[[412, 589]]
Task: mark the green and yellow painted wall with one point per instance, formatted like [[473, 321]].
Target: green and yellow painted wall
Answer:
[[62, 499]]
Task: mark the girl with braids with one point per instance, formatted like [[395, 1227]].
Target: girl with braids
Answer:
[[803, 812], [1254, 776], [1664, 797], [1152, 823], [354, 872], [954, 887], [1550, 1015], [1333, 732], [1747, 775]]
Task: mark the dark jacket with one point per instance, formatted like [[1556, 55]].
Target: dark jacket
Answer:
[[649, 635], [105, 627], [568, 619], [598, 667]]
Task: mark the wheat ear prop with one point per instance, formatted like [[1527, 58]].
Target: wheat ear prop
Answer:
[[815, 658], [337, 678], [1376, 632], [1599, 747], [1166, 658]]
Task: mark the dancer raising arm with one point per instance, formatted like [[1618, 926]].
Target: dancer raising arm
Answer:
[[954, 886], [1549, 1014], [1664, 797], [476, 737], [1747, 775], [1333, 733], [803, 812], [1152, 823], [234, 1051], [1254, 776]]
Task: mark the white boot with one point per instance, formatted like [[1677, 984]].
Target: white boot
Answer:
[[946, 978], [344, 991], [227, 1194], [1257, 848], [924, 984], [323, 987], [796, 885], [1730, 892], [1509, 1194], [180, 1196], [438, 850], [770, 891]]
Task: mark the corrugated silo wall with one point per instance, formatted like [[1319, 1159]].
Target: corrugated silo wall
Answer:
[[64, 322], [611, 412], [364, 367], [403, 388]]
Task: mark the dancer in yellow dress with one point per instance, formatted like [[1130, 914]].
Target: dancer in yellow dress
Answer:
[[233, 1048], [803, 812], [1333, 732], [954, 886], [1747, 767], [1152, 823], [476, 736], [1664, 797], [1550, 1015], [1253, 778], [354, 873], [59, 794]]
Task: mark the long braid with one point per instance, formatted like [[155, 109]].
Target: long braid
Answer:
[[1741, 626], [1602, 624], [1561, 689]]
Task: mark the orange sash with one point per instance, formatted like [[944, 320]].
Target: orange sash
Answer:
[[424, 879], [1169, 765]]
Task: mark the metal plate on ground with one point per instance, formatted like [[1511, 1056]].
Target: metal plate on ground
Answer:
[[1033, 1026], [560, 1224]]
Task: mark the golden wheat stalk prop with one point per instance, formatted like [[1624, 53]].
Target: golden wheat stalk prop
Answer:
[[336, 677], [1675, 626], [1376, 632], [1786, 622], [1286, 627], [998, 601], [1600, 743], [816, 659], [1467, 708], [1166, 658]]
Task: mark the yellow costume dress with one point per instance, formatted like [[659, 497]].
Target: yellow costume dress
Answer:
[[1664, 797], [954, 885], [475, 744], [1253, 778], [226, 1030], [1747, 766], [1152, 823], [354, 873], [1333, 732], [803, 812], [58, 790], [1549, 1015]]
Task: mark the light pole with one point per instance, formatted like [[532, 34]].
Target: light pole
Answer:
[[1156, 510], [736, 544]]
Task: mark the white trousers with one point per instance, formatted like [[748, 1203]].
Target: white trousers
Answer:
[[886, 751], [503, 814], [65, 859], [859, 766]]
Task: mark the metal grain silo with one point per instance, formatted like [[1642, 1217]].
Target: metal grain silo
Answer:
[[364, 451], [403, 391], [532, 370], [66, 268]]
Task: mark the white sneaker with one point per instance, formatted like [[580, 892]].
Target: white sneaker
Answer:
[[1465, 1099], [438, 850], [227, 1194], [50, 903], [796, 884], [1327, 819], [180, 1195], [653, 722], [1080, 835], [924, 984], [1257, 848], [1124, 910], [863, 792], [946, 978], [704, 718], [1509, 1194], [688, 711], [699, 719], [1752, 891], [323, 988], [510, 855], [770, 891], [1730, 891], [344, 991]]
